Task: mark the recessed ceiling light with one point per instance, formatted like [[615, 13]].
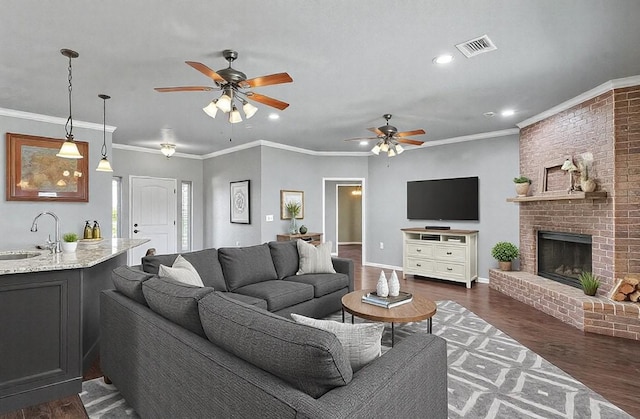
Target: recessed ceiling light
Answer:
[[443, 59], [489, 114], [507, 112], [274, 116], [364, 142]]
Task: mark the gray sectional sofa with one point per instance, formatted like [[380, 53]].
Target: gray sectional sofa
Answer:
[[230, 349]]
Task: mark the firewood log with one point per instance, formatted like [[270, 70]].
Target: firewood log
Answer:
[[619, 296], [631, 279], [626, 288], [634, 296]]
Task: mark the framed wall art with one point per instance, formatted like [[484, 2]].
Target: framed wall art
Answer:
[[288, 197], [35, 173], [240, 208]]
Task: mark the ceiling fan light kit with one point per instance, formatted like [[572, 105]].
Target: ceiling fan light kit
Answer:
[[234, 85], [69, 149]]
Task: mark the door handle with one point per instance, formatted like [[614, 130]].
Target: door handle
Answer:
[[136, 231]]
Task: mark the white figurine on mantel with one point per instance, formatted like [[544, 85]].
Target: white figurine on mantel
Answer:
[[382, 289], [394, 285]]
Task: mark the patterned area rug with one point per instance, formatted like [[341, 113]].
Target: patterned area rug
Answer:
[[490, 375]]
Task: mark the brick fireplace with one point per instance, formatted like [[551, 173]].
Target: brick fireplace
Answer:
[[608, 127]]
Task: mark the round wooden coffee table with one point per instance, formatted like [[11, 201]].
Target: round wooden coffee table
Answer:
[[417, 310]]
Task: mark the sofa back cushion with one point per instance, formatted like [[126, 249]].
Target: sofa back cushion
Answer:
[[204, 261], [246, 265], [310, 359], [128, 280], [285, 257], [176, 301]]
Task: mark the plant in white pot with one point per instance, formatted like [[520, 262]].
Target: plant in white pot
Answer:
[[522, 185], [293, 208], [505, 253], [69, 242]]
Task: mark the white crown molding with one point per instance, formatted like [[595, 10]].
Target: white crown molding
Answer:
[[53, 120], [472, 137], [154, 151], [264, 143], [589, 94]]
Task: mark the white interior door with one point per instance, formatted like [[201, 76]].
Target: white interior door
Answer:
[[153, 215]]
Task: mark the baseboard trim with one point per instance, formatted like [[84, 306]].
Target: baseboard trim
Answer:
[[383, 266]]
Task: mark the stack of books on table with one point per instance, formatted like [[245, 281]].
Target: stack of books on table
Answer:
[[387, 302]]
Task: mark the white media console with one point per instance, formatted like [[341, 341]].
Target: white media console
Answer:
[[441, 254]]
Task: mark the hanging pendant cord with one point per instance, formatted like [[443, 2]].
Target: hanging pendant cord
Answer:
[[104, 128], [69, 120]]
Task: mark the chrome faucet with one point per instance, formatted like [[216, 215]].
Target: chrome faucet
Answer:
[[53, 246]]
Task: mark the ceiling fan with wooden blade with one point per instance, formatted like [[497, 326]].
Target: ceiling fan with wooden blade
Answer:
[[389, 138], [234, 85]]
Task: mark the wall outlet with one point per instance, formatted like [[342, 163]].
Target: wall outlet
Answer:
[[381, 245], [268, 218], [237, 243]]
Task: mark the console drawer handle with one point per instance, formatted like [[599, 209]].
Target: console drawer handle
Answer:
[[418, 265], [449, 269], [449, 253], [418, 250]]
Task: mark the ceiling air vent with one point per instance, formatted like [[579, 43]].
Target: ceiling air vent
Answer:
[[476, 46]]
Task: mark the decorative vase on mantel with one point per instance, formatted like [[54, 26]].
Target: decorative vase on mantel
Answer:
[[293, 226], [588, 185]]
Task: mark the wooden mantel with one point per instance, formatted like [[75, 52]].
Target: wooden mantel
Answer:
[[560, 196]]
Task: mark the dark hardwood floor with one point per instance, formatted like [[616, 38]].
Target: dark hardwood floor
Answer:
[[607, 365]]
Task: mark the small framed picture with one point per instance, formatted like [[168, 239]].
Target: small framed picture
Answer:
[[240, 211], [289, 199]]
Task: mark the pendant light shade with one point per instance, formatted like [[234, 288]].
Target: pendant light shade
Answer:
[[211, 109], [69, 149], [168, 149], [234, 116], [224, 103], [104, 165], [249, 109]]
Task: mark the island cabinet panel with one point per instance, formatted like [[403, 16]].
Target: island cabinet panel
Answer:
[[40, 337]]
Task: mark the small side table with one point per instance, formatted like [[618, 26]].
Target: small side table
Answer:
[[313, 238]]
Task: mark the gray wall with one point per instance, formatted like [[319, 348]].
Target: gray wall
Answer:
[[218, 172], [270, 170], [494, 161], [16, 216], [128, 163]]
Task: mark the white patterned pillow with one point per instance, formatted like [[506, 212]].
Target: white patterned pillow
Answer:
[[361, 342], [314, 259], [181, 271]]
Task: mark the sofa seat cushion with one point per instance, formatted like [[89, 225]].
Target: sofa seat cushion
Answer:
[[204, 261], [310, 359], [278, 294], [285, 257], [247, 299], [246, 265], [128, 281], [323, 284], [176, 301]]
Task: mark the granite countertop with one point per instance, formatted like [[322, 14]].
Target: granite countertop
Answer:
[[87, 255]]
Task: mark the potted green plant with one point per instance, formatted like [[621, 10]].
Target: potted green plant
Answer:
[[522, 185], [293, 208], [590, 282], [505, 253], [69, 242]]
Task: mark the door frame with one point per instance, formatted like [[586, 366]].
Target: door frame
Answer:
[[130, 227], [362, 182]]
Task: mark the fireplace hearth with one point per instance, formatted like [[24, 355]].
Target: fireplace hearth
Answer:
[[562, 257]]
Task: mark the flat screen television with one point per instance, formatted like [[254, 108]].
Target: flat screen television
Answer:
[[443, 199]]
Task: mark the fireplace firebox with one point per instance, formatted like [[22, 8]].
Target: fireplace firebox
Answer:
[[562, 257]]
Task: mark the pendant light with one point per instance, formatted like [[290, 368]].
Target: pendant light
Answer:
[[69, 149], [104, 165]]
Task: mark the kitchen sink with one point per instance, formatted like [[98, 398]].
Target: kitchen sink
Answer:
[[18, 255]]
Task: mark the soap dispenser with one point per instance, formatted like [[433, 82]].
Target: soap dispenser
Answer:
[[88, 231], [96, 230]]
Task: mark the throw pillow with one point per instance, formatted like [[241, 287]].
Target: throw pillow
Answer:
[[315, 259], [361, 342], [181, 271]]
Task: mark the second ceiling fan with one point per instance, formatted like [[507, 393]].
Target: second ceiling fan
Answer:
[[234, 85], [389, 138]]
